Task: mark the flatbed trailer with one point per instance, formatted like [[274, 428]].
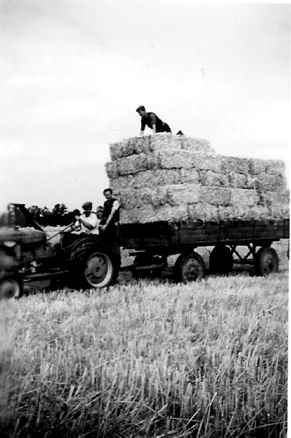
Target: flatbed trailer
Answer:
[[152, 243]]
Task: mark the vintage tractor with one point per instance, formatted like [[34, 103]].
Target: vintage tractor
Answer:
[[27, 255]]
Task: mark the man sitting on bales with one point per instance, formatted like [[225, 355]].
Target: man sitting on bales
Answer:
[[88, 221], [152, 121]]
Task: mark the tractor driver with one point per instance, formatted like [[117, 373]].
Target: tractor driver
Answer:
[[88, 221]]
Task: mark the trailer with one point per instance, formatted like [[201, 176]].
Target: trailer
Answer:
[[240, 242], [93, 261]]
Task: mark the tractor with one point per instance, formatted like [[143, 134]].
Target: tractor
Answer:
[[27, 255]]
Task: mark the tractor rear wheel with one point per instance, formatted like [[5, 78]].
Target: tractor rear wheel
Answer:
[[98, 270], [10, 287]]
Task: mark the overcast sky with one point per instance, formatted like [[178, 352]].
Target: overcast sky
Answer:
[[73, 72]]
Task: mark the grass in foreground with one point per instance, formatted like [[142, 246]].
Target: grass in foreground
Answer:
[[149, 360]]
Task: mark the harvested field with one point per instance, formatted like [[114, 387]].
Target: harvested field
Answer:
[[148, 359], [164, 177]]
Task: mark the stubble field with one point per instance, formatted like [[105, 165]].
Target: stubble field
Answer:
[[148, 359]]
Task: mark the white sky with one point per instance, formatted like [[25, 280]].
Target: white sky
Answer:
[[73, 72]]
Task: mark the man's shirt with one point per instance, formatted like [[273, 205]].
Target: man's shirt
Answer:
[[92, 220], [151, 119]]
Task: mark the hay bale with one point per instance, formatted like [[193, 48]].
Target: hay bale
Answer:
[[235, 164], [173, 178], [158, 142], [266, 182], [207, 163], [237, 180], [202, 211], [172, 195], [154, 178], [148, 213], [244, 197], [210, 178], [215, 195]]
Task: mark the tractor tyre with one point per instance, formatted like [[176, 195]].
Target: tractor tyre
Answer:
[[11, 287], [97, 270]]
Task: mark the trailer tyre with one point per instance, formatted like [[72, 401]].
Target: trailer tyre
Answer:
[[220, 260], [266, 261], [189, 267], [10, 287]]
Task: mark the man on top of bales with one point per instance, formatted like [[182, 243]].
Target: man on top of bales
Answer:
[[152, 121], [88, 221], [110, 215]]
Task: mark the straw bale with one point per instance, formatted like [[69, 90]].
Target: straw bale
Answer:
[[244, 197], [275, 198], [202, 211], [275, 167], [215, 195], [280, 211], [174, 159], [214, 163], [235, 164], [240, 212], [210, 178], [272, 167], [148, 213], [158, 142], [154, 178], [173, 195], [236, 180], [182, 194], [266, 182], [197, 145], [188, 176], [112, 169]]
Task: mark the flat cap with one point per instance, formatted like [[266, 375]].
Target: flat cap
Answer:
[[87, 205]]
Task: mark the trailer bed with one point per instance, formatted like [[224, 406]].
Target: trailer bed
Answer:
[[173, 238]]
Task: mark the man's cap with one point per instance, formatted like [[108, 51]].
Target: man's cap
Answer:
[[87, 205], [140, 108]]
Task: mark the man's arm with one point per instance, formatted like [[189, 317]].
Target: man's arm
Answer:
[[153, 122], [142, 126], [90, 225]]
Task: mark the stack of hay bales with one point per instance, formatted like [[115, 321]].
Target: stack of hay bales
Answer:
[[163, 177]]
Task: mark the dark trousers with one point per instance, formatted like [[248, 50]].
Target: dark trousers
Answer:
[[165, 128]]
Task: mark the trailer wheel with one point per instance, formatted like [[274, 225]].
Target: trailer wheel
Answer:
[[220, 260], [266, 261], [189, 267], [10, 288], [98, 270]]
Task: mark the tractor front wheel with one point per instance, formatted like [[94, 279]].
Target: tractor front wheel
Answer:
[[10, 287]]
